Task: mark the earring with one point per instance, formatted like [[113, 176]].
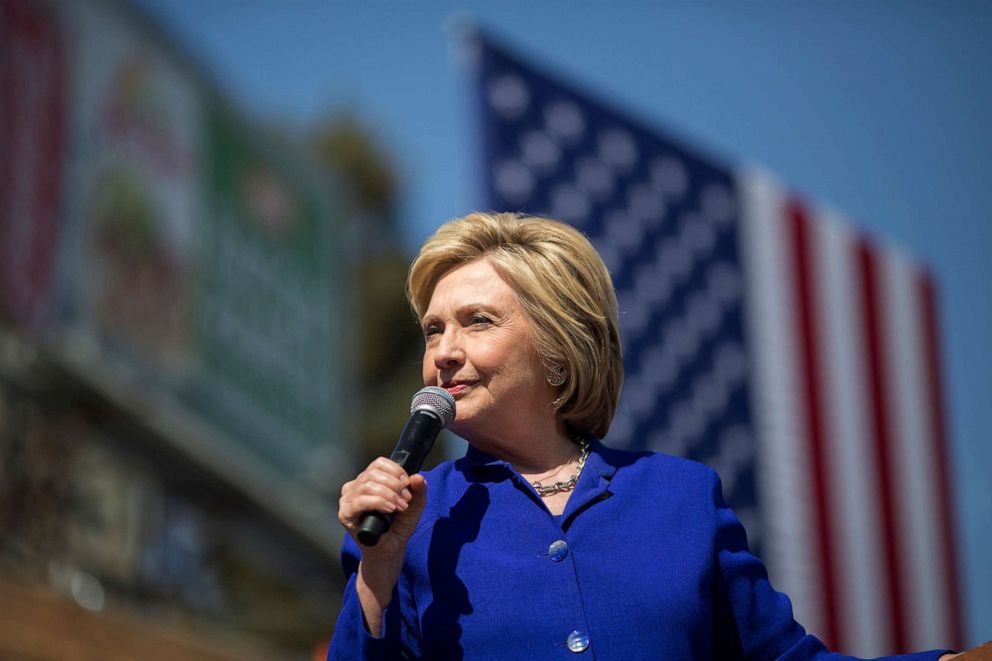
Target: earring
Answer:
[[556, 374]]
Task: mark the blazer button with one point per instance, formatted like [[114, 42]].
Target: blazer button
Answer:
[[558, 550], [578, 641]]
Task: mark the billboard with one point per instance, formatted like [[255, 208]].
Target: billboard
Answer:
[[152, 240]]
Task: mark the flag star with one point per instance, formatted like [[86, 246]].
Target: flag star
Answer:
[[699, 233], [539, 151], [647, 204], [513, 180], [704, 314], [618, 149], [724, 280], [622, 230], [668, 175], [731, 363], [569, 202], [675, 260], [717, 204], [595, 177], [564, 121], [509, 97]]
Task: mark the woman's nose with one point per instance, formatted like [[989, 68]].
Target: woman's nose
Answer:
[[449, 351]]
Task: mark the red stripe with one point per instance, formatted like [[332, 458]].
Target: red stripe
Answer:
[[938, 435], [813, 400], [878, 413]]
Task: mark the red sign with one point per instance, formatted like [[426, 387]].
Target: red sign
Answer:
[[32, 109]]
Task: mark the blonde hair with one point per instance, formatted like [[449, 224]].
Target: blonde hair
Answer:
[[564, 287]]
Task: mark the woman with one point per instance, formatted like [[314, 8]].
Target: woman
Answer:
[[541, 542]]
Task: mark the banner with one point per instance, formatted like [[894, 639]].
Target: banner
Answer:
[[764, 336]]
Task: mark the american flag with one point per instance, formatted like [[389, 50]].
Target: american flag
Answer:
[[764, 336]]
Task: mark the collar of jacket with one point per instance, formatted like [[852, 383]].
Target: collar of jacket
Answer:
[[598, 463]]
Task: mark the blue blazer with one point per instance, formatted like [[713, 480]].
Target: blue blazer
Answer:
[[646, 562]]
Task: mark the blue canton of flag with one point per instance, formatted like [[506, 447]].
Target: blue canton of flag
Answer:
[[665, 222]]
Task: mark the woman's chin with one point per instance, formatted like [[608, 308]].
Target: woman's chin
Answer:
[[460, 426], [465, 426]]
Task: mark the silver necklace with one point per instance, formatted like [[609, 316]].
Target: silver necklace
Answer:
[[569, 484]]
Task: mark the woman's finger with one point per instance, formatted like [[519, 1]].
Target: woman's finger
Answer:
[[389, 467], [377, 489], [350, 515], [386, 479]]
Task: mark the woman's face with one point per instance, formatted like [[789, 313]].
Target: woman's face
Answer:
[[480, 348]]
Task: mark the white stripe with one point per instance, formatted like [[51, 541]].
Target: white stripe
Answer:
[[857, 517], [914, 472], [783, 481]]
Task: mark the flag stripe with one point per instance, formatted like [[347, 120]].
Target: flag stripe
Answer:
[[913, 467], [938, 430], [807, 330], [858, 554], [879, 419], [785, 492]]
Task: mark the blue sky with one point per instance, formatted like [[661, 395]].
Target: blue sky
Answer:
[[880, 109]]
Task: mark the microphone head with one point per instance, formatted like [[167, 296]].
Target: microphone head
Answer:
[[437, 401]]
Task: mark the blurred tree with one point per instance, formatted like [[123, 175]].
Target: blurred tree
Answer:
[[386, 334], [345, 146]]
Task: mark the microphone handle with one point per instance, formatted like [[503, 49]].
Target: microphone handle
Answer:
[[415, 443]]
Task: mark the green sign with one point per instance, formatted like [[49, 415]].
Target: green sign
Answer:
[[266, 301]]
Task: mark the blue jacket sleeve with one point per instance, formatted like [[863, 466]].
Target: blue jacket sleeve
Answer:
[[351, 640], [752, 620]]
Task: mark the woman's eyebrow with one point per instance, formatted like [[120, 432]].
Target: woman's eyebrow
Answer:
[[462, 310], [473, 307]]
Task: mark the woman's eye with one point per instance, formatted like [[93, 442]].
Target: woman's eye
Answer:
[[480, 319], [431, 330]]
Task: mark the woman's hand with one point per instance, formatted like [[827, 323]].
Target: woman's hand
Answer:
[[983, 653], [382, 487]]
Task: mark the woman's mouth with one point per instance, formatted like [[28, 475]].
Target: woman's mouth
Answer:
[[456, 388]]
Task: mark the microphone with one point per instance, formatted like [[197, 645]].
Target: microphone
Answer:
[[431, 410]]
